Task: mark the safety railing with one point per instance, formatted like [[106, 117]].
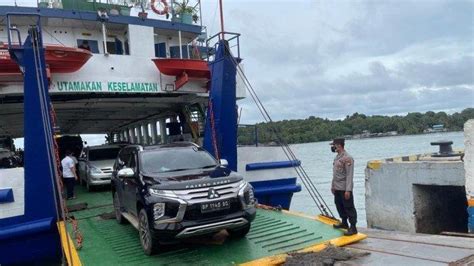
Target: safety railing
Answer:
[[11, 28], [232, 39]]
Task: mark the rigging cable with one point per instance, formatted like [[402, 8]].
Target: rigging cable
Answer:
[[307, 182], [47, 129]]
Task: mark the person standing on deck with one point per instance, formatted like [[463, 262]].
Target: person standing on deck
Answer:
[[85, 45], [69, 174], [342, 185]]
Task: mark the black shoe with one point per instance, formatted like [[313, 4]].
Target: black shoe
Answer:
[[341, 226], [352, 231]]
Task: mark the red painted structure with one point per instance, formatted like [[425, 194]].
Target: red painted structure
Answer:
[[59, 59], [183, 69]]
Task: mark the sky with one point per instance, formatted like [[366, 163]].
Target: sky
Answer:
[[334, 58]]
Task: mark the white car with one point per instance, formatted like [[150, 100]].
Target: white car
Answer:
[[96, 165], [7, 159]]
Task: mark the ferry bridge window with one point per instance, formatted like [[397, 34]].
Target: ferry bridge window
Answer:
[[174, 51], [160, 50], [92, 44], [115, 47]]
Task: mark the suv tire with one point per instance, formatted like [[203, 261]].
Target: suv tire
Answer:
[[118, 209], [148, 241], [240, 232]]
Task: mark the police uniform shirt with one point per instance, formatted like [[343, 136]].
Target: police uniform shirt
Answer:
[[343, 172]]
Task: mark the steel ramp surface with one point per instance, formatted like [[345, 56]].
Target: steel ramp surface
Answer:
[[272, 233]]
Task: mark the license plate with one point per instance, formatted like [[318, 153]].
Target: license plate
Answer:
[[215, 206]]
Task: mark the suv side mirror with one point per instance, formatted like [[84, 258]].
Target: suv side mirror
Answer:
[[223, 162], [126, 173]]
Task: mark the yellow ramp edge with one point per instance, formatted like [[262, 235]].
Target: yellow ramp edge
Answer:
[[281, 258], [470, 202], [69, 250]]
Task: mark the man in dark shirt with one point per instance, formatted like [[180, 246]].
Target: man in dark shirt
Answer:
[[342, 185]]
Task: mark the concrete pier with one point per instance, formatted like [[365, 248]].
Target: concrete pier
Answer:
[[416, 194], [397, 248], [469, 166]]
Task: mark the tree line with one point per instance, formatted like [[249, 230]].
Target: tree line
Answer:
[[314, 129]]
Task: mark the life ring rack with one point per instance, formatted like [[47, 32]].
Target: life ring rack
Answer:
[[157, 11]]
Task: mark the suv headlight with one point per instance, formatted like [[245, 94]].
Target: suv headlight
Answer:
[[158, 210], [162, 193], [249, 196]]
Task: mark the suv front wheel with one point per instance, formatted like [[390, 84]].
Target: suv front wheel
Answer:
[[147, 239]]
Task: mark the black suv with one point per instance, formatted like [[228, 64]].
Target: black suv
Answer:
[[179, 190]]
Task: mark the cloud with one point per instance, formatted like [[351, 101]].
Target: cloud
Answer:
[[330, 59], [459, 71]]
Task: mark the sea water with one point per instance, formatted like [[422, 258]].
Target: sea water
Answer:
[[317, 160]]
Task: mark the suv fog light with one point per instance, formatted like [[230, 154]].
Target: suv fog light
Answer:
[[158, 210], [249, 197]]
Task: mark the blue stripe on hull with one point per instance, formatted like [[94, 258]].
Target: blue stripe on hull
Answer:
[[272, 165], [277, 192]]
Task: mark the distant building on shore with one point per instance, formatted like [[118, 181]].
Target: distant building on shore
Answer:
[[367, 134], [435, 129]]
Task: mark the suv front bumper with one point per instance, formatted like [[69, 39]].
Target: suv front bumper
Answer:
[[189, 228]]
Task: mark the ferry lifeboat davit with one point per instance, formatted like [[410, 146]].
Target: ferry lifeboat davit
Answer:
[[59, 59], [183, 69]]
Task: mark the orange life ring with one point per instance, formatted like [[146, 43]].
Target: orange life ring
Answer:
[[160, 12]]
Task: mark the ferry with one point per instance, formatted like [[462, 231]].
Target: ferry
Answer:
[[146, 74]]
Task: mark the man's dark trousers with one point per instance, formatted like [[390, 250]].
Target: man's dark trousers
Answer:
[[345, 208], [69, 183]]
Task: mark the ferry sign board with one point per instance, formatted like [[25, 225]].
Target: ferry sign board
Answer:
[[104, 87]]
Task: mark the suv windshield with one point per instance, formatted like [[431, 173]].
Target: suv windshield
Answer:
[[170, 160], [103, 154]]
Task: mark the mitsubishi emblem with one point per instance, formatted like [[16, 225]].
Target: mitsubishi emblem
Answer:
[[212, 194]]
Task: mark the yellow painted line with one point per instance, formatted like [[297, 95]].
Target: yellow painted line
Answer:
[[374, 165], [68, 246], [281, 258], [320, 218], [413, 158]]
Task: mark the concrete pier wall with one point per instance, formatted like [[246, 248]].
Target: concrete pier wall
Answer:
[[408, 194], [469, 166]]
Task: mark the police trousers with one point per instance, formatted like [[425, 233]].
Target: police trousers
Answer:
[[345, 208]]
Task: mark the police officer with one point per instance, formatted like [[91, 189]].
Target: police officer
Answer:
[[342, 185]]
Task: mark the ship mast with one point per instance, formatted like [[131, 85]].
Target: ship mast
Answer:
[[222, 18]]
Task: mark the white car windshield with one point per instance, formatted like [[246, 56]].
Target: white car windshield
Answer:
[[103, 154]]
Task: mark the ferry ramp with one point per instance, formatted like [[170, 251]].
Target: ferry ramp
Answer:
[[272, 235]]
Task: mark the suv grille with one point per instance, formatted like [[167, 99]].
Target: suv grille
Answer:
[[198, 195]]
